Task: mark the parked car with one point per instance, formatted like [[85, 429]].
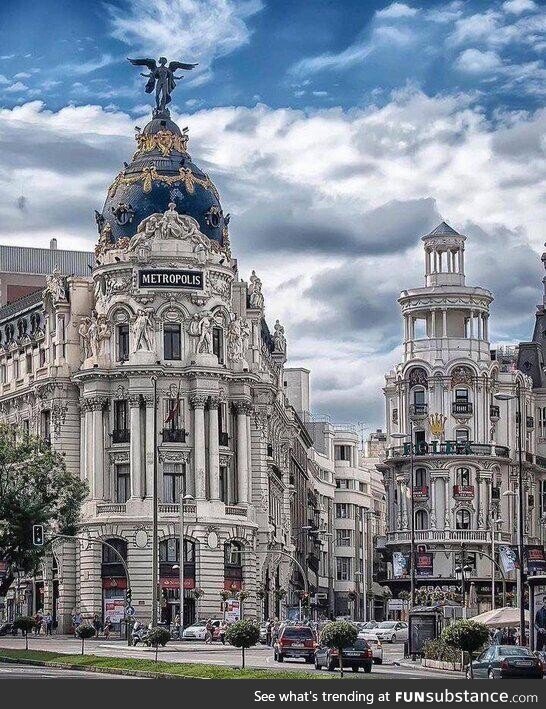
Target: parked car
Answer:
[[198, 631], [7, 629], [263, 633], [377, 651], [295, 641], [388, 631], [506, 661], [358, 655]]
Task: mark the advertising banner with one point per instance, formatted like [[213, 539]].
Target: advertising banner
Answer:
[[233, 610], [535, 558], [508, 558], [400, 565], [424, 564], [114, 608], [539, 594]]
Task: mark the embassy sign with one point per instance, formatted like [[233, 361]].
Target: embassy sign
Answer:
[[171, 278]]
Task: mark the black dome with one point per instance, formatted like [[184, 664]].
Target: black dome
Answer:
[[162, 171]]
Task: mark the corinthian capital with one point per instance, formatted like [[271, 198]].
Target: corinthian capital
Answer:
[[198, 401], [243, 407]]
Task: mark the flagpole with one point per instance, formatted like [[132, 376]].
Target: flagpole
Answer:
[[155, 579]]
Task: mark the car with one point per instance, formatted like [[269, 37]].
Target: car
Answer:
[[506, 661], [198, 631], [358, 655], [377, 651], [7, 629], [295, 641], [388, 631], [263, 633]]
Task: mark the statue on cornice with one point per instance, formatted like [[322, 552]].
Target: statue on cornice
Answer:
[[161, 78], [143, 331], [255, 295], [279, 339], [55, 287]]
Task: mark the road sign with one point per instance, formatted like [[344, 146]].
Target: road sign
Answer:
[[129, 611]]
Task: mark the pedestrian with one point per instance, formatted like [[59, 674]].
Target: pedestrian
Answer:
[[268, 628], [177, 623], [47, 624], [222, 632], [107, 627], [38, 622], [97, 624], [208, 632], [76, 620]]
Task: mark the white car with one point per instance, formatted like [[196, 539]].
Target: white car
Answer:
[[198, 631], [389, 631], [377, 650]]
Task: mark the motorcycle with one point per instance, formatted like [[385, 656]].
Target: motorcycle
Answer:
[[140, 634]]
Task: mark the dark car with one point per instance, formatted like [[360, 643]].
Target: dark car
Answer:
[[504, 661], [358, 655], [295, 641], [7, 629]]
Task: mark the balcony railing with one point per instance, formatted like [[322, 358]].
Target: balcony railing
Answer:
[[234, 510], [448, 535], [463, 491], [110, 509], [461, 408], [121, 435], [418, 410], [494, 412], [420, 492], [447, 448], [174, 435]]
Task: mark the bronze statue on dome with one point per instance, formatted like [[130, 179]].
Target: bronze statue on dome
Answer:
[[162, 78]]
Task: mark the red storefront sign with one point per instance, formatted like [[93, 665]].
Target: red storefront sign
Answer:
[[111, 582], [420, 492], [174, 583], [466, 491], [424, 564], [233, 584]]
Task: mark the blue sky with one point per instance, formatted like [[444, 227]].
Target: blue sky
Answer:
[[337, 134]]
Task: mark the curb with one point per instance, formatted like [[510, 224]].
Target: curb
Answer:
[[99, 670]]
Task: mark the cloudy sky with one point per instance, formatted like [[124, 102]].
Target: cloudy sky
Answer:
[[338, 133]]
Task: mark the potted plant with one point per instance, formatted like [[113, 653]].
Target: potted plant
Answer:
[[84, 632], [243, 634]]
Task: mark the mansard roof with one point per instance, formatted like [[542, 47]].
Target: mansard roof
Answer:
[[443, 229]]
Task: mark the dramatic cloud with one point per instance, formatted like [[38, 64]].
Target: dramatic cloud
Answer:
[[328, 206], [187, 30]]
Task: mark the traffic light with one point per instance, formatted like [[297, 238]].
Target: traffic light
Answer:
[[128, 596], [38, 535]]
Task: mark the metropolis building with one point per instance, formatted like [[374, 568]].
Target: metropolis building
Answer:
[[443, 420], [155, 370]]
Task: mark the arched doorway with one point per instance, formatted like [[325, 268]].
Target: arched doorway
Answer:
[[169, 580]]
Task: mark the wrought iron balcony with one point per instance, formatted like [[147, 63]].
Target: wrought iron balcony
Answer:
[[436, 448], [418, 410], [121, 435], [447, 535], [461, 408], [494, 412], [174, 435]]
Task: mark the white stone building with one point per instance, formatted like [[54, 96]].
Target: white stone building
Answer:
[[463, 440]]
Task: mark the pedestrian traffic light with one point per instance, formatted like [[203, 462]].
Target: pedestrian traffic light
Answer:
[[128, 596], [38, 535]]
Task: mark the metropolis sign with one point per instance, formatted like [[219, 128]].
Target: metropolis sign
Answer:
[[171, 278]]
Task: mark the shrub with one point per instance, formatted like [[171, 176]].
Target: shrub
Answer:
[[85, 631], [339, 635], [243, 634], [158, 636], [467, 636], [24, 623], [438, 650]]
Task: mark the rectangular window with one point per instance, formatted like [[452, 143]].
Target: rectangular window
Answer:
[[123, 483], [223, 483], [3, 374], [543, 499], [123, 342], [45, 425], [218, 343], [173, 481], [342, 510], [461, 395], [343, 568], [26, 427], [29, 363], [344, 537], [16, 369], [121, 415], [343, 453], [42, 357], [172, 341]]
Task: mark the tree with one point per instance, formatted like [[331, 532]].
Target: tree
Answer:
[[467, 636], [85, 631], [243, 634], [24, 623], [35, 488], [158, 636], [339, 635]]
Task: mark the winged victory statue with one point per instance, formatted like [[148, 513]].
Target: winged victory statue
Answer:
[[161, 78]]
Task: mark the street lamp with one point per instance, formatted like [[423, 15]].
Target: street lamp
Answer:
[[412, 515], [494, 523], [521, 549], [463, 572], [183, 500]]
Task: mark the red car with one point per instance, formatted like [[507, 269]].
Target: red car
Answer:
[[295, 641]]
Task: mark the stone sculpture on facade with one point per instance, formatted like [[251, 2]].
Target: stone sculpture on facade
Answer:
[[143, 331], [255, 295], [55, 287], [235, 341], [279, 338], [93, 331]]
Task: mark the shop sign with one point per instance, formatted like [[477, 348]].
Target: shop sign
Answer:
[[424, 564], [174, 583], [114, 608], [114, 583], [171, 278], [536, 561]]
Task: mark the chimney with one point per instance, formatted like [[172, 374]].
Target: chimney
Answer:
[[53, 244]]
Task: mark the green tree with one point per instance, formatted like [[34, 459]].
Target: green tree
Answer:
[[24, 623], [158, 636], [467, 636], [339, 635], [243, 634], [85, 631], [35, 488]]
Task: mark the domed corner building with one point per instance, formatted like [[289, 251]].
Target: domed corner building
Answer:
[[150, 365]]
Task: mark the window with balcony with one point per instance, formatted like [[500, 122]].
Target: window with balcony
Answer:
[[121, 431], [462, 519], [461, 404], [343, 568], [342, 510], [123, 483], [122, 342], [344, 537], [173, 482], [421, 519], [172, 341], [218, 343], [173, 430], [462, 477]]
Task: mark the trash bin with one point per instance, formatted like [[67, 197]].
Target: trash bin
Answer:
[[406, 648]]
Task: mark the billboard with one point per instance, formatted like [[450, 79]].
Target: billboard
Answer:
[[400, 565], [535, 558], [508, 557], [232, 610], [424, 564], [539, 610]]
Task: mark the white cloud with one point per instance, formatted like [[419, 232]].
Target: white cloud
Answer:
[[397, 10], [516, 7], [17, 87], [22, 75], [475, 61], [311, 193], [187, 30], [4, 80]]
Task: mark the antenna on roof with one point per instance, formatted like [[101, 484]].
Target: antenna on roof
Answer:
[[22, 201]]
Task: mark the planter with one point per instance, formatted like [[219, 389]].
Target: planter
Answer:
[[442, 665]]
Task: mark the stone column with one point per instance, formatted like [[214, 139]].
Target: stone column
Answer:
[[444, 322], [197, 402], [83, 439], [471, 324], [432, 502], [433, 323], [97, 406], [404, 503], [214, 451], [136, 448], [148, 477], [447, 498], [243, 409]]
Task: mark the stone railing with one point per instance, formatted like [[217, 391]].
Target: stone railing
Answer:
[[436, 448], [233, 510], [110, 509], [448, 535]]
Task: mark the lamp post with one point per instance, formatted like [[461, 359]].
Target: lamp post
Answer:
[[412, 515], [183, 500], [521, 525], [494, 523]]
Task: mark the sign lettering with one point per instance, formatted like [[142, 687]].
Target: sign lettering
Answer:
[[171, 278]]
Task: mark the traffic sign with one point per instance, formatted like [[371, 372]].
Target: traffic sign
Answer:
[[129, 611]]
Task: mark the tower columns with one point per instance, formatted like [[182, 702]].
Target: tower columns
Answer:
[[198, 403], [136, 451], [214, 450]]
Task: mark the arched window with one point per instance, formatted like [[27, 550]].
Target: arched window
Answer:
[[169, 551], [109, 555], [233, 566], [462, 519], [463, 476], [421, 519], [233, 554], [421, 477]]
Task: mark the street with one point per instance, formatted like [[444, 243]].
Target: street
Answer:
[[259, 657]]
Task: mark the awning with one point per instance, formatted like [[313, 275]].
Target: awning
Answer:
[[501, 618]]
